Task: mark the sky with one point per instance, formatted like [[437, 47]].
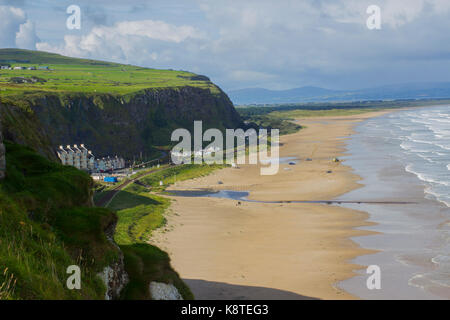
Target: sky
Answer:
[[253, 43]]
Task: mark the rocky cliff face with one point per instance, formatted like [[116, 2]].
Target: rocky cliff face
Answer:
[[114, 276], [123, 125], [2, 155]]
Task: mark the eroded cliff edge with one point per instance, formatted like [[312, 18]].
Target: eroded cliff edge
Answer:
[[110, 124]]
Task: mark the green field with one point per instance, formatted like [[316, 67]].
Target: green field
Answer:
[[71, 75], [295, 114]]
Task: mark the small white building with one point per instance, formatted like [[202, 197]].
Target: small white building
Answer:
[[77, 157], [101, 164], [63, 155], [91, 161], [70, 156]]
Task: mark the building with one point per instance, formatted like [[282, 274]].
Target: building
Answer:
[[70, 156], [63, 156], [118, 163], [100, 165], [19, 68], [44, 68], [31, 68], [5, 67], [76, 157], [82, 158], [90, 161]]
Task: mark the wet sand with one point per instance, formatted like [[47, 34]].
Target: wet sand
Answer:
[[251, 250]]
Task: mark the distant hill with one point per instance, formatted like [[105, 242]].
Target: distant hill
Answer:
[[432, 90]]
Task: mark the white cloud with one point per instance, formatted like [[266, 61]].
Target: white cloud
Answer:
[[26, 36], [278, 44], [128, 41], [16, 30]]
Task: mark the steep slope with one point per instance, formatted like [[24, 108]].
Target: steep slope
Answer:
[[46, 225], [112, 108], [2, 155]]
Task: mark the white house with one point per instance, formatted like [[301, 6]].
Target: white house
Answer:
[[91, 161], [70, 156], [76, 157]]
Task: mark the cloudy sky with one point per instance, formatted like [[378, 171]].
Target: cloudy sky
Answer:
[[253, 43]]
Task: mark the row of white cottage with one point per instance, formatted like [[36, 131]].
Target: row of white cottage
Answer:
[[83, 159]]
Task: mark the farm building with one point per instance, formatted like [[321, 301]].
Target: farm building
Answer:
[[44, 68]]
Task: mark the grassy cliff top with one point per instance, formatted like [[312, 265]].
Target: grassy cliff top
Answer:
[[87, 76]]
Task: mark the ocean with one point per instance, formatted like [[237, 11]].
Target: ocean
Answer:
[[404, 156]]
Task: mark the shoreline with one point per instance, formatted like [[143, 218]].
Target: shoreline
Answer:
[[251, 250], [413, 239]]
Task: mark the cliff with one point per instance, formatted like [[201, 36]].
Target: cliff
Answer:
[[47, 218], [112, 108], [2, 155], [114, 125], [46, 225]]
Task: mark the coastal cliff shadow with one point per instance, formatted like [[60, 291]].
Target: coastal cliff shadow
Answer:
[[210, 290]]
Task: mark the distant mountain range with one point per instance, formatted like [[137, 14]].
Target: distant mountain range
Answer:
[[429, 90]]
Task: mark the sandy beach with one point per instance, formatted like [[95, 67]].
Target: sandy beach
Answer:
[[251, 250]]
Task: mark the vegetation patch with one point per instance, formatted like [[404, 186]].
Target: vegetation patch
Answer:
[[140, 212], [46, 225]]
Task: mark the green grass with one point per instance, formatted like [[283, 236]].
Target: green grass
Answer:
[[71, 75], [178, 173], [295, 114], [269, 121], [46, 225], [141, 212], [266, 117]]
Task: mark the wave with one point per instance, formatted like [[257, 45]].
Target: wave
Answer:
[[425, 177], [441, 197]]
